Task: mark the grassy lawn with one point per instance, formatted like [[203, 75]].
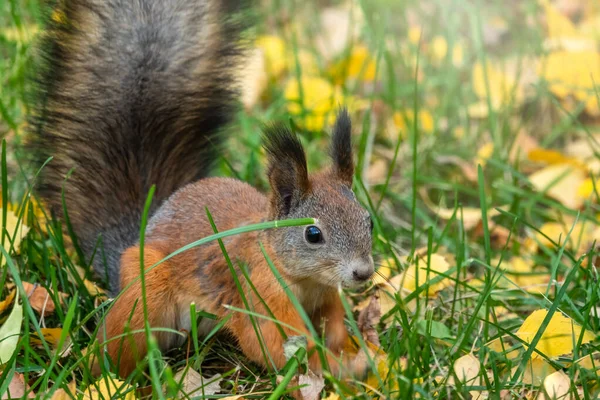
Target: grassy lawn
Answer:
[[476, 129]]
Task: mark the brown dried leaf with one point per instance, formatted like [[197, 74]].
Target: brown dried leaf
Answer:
[[40, 299], [17, 388], [194, 384], [368, 319], [312, 386]]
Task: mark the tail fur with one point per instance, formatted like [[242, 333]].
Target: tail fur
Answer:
[[133, 93]]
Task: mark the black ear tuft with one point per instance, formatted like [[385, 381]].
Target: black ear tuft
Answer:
[[287, 170], [341, 147]]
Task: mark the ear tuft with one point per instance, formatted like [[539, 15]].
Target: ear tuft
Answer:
[[341, 147], [287, 170]]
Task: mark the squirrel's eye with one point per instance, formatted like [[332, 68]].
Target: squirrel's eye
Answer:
[[313, 234]]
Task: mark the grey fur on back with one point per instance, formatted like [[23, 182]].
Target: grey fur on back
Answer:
[[132, 93]]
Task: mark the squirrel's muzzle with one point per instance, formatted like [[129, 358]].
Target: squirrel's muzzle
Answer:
[[362, 270]]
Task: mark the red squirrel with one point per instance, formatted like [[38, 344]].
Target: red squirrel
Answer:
[[136, 94]]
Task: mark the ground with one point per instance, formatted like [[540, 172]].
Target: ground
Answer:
[[476, 132]]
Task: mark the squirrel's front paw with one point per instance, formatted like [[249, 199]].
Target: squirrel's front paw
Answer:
[[357, 366], [354, 366]]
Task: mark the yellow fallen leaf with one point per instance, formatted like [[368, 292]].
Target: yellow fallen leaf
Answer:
[[484, 153], [578, 77], [562, 32], [558, 337], [403, 122], [458, 55], [469, 216], [305, 60], [51, 335], [4, 304], [459, 132], [521, 271], [500, 313], [358, 65], [59, 16], [506, 346], [467, 368], [414, 34], [274, 50], [30, 205], [503, 89], [417, 274], [93, 289], [590, 26], [582, 234], [384, 272], [62, 394], [523, 144], [560, 181], [21, 34], [315, 106], [590, 361], [352, 348], [332, 396], [16, 231], [383, 370], [438, 48], [550, 157], [385, 296], [536, 370], [108, 388], [478, 110], [584, 150], [586, 189], [557, 24], [557, 386]]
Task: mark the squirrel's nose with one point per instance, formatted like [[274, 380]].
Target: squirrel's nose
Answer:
[[361, 274], [362, 269]]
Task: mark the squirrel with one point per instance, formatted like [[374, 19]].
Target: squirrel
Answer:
[[135, 94]]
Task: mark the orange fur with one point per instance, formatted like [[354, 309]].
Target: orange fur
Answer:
[[311, 269], [174, 284], [127, 313]]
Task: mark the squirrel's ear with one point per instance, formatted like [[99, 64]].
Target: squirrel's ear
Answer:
[[287, 171], [341, 148]]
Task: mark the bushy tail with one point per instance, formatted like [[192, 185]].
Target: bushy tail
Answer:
[[133, 93]]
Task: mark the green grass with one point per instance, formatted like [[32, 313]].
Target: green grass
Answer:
[[422, 335]]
